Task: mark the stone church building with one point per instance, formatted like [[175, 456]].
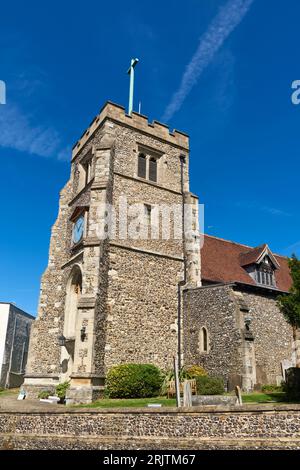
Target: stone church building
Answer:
[[122, 286]]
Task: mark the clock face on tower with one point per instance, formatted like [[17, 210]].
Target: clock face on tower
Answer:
[[78, 228]]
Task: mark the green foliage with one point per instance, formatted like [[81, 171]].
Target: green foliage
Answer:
[[277, 397], [271, 388], [290, 304], [61, 390], [196, 371], [185, 373], [128, 402], [134, 381], [44, 394], [209, 385], [169, 375]]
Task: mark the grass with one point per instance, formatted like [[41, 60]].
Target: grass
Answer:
[[251, 398], [248, 398], [129, 402], [274, 397], [8, 391]]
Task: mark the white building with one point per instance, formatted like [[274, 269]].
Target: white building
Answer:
[[15, 327]]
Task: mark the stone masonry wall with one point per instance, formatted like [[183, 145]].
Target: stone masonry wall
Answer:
[[273, 336], [16, 348], [247, 427], [142, 303], [214, 308], [111, 274]]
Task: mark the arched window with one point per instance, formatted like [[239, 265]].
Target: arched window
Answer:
[[142, 162], [74, 288], [203, 340], [153, 169]]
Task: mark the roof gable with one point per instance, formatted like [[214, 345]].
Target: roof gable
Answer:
[[223, 261], [256, 256]]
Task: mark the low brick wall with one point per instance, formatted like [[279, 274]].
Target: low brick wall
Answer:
[[247, 427]]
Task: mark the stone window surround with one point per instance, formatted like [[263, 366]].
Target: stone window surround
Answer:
[[149, 153], [86, 171], [201, 348]]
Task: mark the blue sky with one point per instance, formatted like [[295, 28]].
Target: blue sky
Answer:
[[61, 63]]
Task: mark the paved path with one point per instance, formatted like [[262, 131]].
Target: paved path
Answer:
[[9, 402]]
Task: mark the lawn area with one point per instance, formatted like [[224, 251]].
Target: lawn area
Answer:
[[8, 391], [248, 398], [129, 402], [259, 397]]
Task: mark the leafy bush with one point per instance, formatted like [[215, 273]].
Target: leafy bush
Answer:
[[169, 375], [185, 373], [196, 371], [133, 381], [209, 385], [61, 390], [44, 394], [271, 388]]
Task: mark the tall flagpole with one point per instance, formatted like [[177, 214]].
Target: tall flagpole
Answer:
[[130, 71]]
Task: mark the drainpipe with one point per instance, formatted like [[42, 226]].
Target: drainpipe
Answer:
[[183, 282]]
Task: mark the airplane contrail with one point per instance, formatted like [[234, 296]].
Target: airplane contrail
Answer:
[[228, 17]]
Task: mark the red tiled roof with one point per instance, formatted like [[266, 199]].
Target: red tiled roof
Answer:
[[252, 255], [222, 261]]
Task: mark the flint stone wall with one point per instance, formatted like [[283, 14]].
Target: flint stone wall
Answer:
[[222, 311], [247, 427], [215, 308], [273, 336]]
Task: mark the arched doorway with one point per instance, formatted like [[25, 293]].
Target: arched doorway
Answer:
[[73, 293]]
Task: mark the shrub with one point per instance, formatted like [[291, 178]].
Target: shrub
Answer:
[[209, 385], [196, 371], [169, 375], [271, 388], [44, 394], [133, 381], [61, 390]]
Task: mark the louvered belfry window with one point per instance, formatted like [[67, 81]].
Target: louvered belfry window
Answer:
[[142, 165], [153, 169]]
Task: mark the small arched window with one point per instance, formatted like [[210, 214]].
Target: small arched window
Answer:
[[203, 340], [153, 169], [142, 165]]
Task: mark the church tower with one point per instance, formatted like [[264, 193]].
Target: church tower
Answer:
[[118, 259]]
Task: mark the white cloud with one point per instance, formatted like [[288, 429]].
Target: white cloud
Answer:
[[19, 133], [65, 154], [228, 17], [275, 211], [267, 209]]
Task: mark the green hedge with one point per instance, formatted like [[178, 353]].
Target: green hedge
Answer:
[[209, 385], [133, 381]]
